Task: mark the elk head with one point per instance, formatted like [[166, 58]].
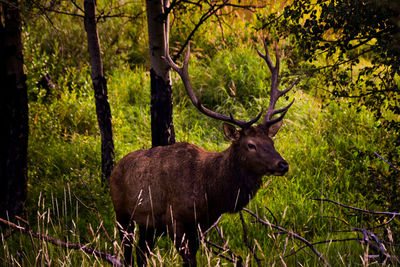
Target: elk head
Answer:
[[253, 145]]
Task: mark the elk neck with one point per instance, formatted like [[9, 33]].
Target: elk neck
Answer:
[[229, 185]]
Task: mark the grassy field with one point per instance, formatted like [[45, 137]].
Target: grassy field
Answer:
[[329, 151], [329, 146]]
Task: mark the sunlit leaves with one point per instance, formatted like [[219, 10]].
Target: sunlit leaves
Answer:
[[350, 45]]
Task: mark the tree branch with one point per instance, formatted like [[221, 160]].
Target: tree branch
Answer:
[[237, 260], [211, 10], [302, 239], [390, 164], [369, 238], [246, 241], [354, 208], [76, 246]]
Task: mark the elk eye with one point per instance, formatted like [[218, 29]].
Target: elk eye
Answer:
[[251, 146]]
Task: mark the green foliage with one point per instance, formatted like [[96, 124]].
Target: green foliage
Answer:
[[130, 105], [231, 28], [348, 52], [352, 46], [322, 149], [121, 30], [330, 150]]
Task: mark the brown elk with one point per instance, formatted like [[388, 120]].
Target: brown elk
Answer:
[[179, 188]]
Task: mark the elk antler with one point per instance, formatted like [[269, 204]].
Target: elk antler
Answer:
[[183, 72], [275, 93]]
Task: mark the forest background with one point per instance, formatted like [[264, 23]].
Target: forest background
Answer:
[[340, 137]]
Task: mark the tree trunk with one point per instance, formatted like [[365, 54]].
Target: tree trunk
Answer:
[[13, 113], [100, 90], [162, 127]]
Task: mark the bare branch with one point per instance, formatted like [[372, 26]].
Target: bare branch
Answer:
[[226, 247], [120, 15], [323, 242], [302, 239], [212, 226], [369, 238], [76, 246], [246, 241], [77, 6], [211, 11], [237, 260], [64, 13], [354, 208], [390, 164]]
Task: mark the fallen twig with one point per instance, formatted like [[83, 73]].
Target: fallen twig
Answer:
[[322, 242], [354, 208], [76, 246], [237, 260], [302, 239], [369, 238], [246, 241], [212, 226]]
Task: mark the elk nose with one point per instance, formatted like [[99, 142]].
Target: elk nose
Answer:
[[283, 166]]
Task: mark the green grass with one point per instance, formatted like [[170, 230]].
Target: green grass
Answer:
[[329, 151]]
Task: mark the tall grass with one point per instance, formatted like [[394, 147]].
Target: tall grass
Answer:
[[329, 151]]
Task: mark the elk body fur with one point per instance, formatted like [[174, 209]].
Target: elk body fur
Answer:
[[180, 188]]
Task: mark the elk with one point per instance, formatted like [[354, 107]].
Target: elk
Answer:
[[179, 188]]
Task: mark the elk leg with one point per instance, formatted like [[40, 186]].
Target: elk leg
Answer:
[[193, 247], [146, 243], [188, 246], [125, 233]]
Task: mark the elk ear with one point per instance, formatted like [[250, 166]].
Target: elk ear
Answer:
[[274, 128], [231, 132]]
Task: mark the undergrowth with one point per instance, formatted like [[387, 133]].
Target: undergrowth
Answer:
[[329, 151]]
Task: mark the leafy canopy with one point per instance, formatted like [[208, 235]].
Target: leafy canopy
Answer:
[[357, 41]]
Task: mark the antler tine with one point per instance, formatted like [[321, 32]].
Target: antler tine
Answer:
[[266, 57], [169, 60], [275, 92], [244, 124], [282, 110], [184, 74], [277, 57]]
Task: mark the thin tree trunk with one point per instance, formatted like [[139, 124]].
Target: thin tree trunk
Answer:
[[162, 127], [13, 113], [100, 90]]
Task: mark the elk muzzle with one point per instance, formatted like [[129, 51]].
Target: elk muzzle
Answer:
[[279, 167], [283, 167]]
